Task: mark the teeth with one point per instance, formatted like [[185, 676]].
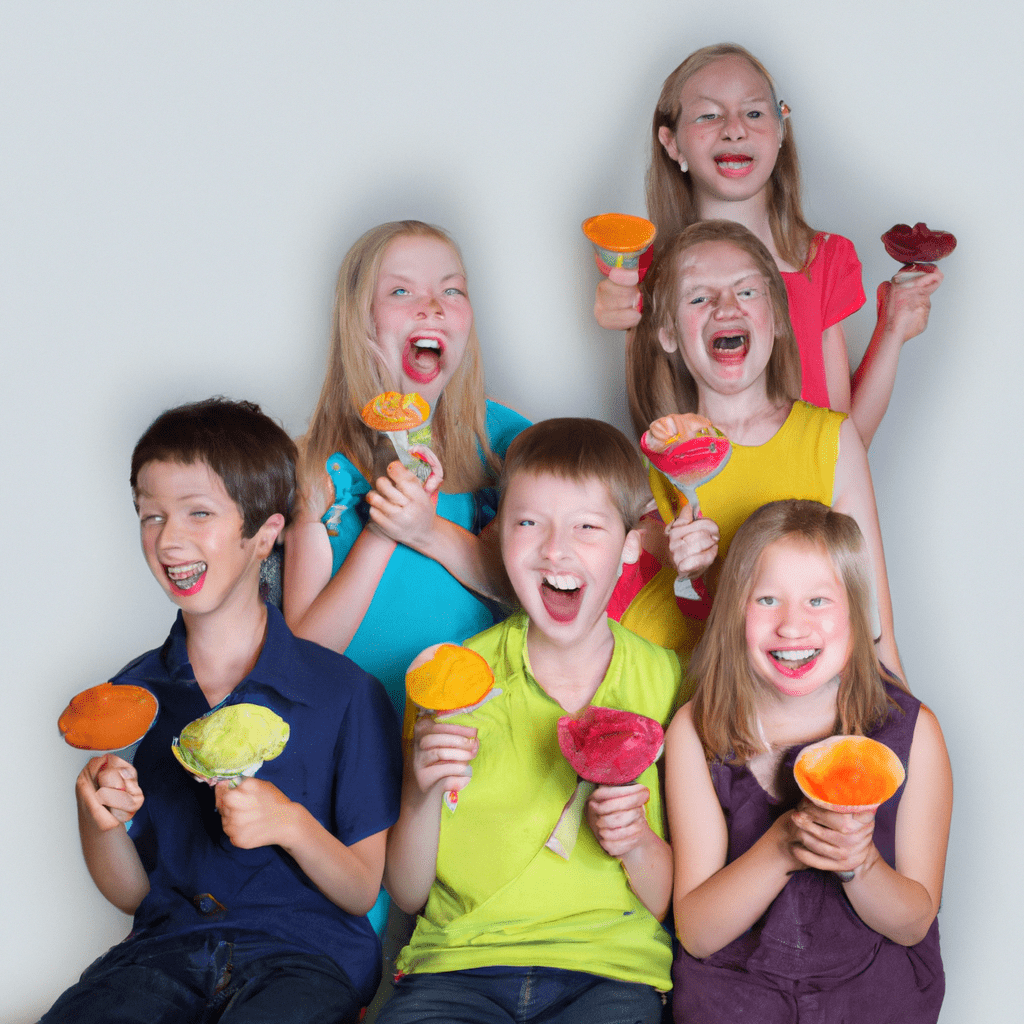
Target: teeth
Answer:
[[185, 576], [561, 581], [733, 341], [430, 343], [810, 652]]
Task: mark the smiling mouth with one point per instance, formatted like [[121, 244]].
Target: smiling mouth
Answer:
[[186, 578], [561, 593], [421, 361], [794, 660], [734, 161]]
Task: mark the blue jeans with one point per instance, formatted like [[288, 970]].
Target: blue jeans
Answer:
[[520, 995], [207, 978]]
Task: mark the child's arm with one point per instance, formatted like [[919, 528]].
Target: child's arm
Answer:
[[617, 301], [256, 813], [837, 367], [902, 903], [404, 511], [616, 817], [714, 902], [854, 494], [692, 544], [903, 307], [107, 793], [323, 608], [437, 761]]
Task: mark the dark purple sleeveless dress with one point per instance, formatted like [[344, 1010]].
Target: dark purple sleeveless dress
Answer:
[[810, 958]]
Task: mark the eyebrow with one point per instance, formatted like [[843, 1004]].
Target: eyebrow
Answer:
[[689, 289]]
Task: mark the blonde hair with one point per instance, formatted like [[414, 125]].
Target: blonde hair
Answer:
[[356, 373], [658, 382], [670, 198], [724, 709]]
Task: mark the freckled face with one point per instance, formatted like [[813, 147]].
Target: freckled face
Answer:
[[797, 618], [421, 314]]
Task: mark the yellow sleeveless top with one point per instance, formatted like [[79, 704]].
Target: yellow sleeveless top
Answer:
[[798, 462]]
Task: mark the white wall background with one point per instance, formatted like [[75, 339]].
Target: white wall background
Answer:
[[178, 183]]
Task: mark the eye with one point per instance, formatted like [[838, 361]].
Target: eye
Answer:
[[705, 117], [454, 291], [200, 513], [747, 293], [150, 519], [754, 114], [767, 601], [818, 602], [526, 522], [696, 300], [399, 291]]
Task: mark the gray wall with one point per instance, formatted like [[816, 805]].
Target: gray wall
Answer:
[[179, 182]]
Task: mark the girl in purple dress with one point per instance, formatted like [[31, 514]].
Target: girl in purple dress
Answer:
[[786, 911]]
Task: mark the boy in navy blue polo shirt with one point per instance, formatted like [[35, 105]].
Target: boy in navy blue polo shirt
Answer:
[[249, 903]]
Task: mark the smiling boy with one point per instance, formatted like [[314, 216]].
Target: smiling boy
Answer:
[[249, 897], [509, 928]]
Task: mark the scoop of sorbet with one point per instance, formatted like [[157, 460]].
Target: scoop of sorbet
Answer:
[[917, 244]]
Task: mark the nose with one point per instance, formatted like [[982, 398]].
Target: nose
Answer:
[[791, 621], [733, 126], [554, 543], [726, 304], [168, 536], [431, 306]]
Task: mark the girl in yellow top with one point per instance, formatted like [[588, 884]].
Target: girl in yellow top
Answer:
[[724, 342]]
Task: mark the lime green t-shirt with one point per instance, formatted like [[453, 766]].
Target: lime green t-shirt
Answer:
[[500, 896]]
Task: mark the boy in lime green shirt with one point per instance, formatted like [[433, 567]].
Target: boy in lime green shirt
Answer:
[[510, 929]]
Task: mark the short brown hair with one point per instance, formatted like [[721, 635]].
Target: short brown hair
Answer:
[[724, 712], [658, 382], [581, 449], [252, 455]]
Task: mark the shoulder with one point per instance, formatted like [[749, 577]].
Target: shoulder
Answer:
[[492, 643], [650, 676], [503, 424], [832, 248]]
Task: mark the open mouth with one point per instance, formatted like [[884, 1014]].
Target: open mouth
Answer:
[[734, 164], [421, 361], [186, 578], [561, 594], [795, 662], [730, 348]]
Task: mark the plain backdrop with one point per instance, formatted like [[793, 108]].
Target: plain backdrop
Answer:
[[179, 182]]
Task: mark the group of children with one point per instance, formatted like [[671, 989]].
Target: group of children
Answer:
[[250, 901]]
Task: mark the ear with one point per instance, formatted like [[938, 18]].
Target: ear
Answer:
[[267, 534], [669, 341], [668, 142], [630, 548]]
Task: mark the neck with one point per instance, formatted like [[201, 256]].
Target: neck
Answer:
[[747, 418], [789, 721], [571, 675], [752, 213], [224, 648]]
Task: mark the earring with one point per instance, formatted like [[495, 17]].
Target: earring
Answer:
[[683, 165]]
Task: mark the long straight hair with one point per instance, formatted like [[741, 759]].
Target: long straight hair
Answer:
[[356, 372], [658, 382], [671, 203], [724, 704]]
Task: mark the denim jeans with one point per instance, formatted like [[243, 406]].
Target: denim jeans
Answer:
[[526, 995], [203, 979]]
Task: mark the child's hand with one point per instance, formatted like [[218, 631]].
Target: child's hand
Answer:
[[831, 841], [692, 545], [403, 509], [441, 754], [616, 817], [905, 302], [617, 303], [108, 791], [254, 813]]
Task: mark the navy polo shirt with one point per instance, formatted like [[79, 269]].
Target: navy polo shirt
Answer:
[[342, 762]]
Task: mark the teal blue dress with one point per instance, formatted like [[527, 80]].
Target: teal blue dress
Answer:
[[417, 602]]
